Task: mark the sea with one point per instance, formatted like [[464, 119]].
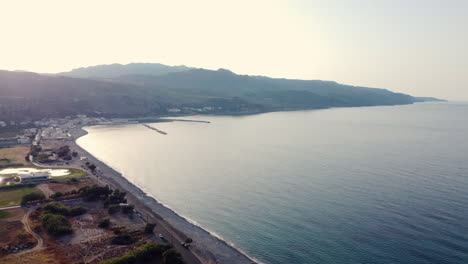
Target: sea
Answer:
[[386, 184]]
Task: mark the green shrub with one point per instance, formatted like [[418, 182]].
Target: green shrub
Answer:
[[56, 224], [56, 208]]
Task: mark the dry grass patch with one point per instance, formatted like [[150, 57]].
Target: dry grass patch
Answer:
[[48, 256], [14, 155]]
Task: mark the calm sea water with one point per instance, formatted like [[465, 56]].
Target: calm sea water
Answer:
[[348, 185]]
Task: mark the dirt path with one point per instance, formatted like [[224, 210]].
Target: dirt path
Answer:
[[10, 207], [27, 227]]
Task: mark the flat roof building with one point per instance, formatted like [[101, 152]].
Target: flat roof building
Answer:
[[34, 177]]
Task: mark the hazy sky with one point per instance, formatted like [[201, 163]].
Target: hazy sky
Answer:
[[418, 47]]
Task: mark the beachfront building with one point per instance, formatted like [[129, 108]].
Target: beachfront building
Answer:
[[34, 177]]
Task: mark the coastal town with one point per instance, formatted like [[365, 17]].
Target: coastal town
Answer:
[[44, 169], [47, 178]]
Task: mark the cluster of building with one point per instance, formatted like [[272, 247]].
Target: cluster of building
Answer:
[[13, 123], [53, 128], [193, 109], [55, 132], [25, 137]]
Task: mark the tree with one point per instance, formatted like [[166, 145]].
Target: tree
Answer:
[[56, 195], [95, 192], [73, 181], [171, 256], [79, 210], [105, 223], [63, 151], [92, 167], [124, 239], [113, 209], [127, 209], [149, 228], [56, 208], [117, 197], [32, 197]]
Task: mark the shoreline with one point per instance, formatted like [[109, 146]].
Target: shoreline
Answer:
[[208, 247]]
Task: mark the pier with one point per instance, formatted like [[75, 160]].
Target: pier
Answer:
[[155, 129]]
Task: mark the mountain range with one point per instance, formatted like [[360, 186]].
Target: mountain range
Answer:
[[145, 89]]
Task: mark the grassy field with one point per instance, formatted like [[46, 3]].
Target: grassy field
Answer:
[[13, 197], [73, 174], [3, 214], [14, 155]]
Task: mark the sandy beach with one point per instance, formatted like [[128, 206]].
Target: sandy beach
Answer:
[[206, 247]]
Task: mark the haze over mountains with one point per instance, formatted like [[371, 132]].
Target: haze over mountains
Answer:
[[144, 89], [116, 70]]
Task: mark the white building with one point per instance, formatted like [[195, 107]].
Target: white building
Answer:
[[34, 177]]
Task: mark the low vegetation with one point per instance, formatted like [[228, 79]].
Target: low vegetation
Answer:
[[60, 209], [148, 252]]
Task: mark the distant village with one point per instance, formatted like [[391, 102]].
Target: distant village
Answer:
[[26, 132], [31, 132]]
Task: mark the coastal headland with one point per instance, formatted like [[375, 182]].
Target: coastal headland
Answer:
[[206, 247]]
